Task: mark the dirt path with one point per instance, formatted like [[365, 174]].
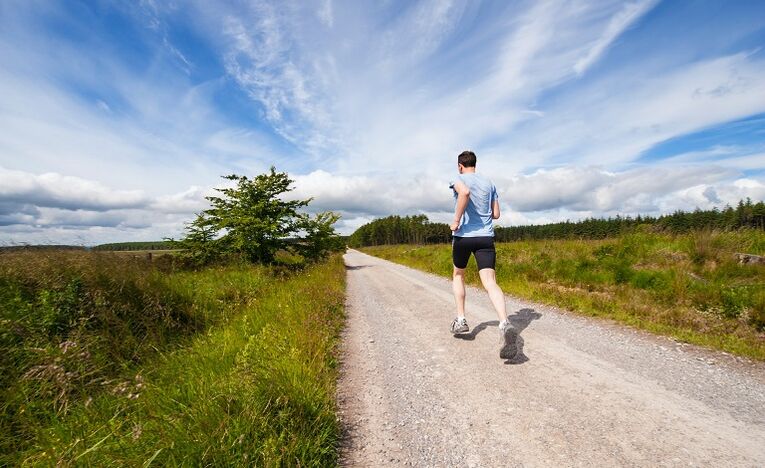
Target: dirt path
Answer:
[[580, 393]]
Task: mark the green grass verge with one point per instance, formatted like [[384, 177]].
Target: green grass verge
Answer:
[[689, 287], [250, 384]]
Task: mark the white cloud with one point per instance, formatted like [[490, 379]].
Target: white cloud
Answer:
[[53, 202], [613, 119], [262, 58], [616, 26], [375, 196], [596, 190], [569, 192], [732, 157], [186, 202], [424, 109], [54, 190], [325, 14]]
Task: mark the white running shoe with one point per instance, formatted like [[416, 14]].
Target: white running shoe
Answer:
[[459, 326], [508, 340]]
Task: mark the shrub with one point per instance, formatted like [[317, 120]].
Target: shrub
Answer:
[[623, 272], [733, 301], [757, 311], [701, 246]]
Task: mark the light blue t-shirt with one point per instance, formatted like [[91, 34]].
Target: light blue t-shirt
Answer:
[[477, 220]]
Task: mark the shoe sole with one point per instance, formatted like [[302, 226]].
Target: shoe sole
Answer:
[[509, 344], [459, 332]]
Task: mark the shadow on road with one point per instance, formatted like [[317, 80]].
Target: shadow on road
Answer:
[[519, 321], [356, 267]]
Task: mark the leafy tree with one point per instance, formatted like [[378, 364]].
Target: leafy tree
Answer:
[[319, 237], [200, 245], [254, 220]]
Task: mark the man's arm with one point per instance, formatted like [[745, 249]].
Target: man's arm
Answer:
[[463, 195], [495, 209]]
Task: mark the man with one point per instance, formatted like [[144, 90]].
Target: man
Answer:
[[476, 205]]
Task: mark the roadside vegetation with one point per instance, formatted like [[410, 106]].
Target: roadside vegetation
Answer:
[[689, 286], [219, 358]]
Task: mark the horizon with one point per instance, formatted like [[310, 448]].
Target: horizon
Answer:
[[718, 209], [120, 118]]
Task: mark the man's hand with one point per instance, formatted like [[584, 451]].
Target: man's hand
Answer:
[[454, 225]]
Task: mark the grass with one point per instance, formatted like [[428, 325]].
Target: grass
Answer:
[[113, 361], [689, 286]]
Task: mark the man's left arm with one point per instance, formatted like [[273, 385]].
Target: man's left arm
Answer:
[[494, 203]]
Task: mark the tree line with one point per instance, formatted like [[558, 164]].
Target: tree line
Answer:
[[400, 230], [129, 246], [419, 230]]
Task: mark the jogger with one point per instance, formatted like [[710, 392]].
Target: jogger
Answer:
[[476, 206]]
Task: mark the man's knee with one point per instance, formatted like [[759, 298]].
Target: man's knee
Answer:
[[488, 277], [458, 272]]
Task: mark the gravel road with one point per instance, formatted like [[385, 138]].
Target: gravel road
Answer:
[[581, 392]]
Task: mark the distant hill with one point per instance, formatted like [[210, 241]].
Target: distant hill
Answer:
[[42, 247]]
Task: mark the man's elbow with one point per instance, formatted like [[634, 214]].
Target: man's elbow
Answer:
[[495, 215]]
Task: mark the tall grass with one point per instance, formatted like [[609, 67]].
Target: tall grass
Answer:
[[110, 361], [687, 286]]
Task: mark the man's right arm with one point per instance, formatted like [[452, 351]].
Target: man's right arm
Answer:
[[463, 195]]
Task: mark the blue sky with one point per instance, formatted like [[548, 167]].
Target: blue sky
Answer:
[[119, 117]]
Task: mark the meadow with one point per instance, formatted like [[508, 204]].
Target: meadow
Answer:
[[687, 286], [107, 359]]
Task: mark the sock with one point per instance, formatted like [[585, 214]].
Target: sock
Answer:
[[502, 323], [461, 318]]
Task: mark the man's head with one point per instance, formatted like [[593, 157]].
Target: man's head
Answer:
[[466, 160]]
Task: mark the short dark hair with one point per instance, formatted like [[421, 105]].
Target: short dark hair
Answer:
[[466, 158]]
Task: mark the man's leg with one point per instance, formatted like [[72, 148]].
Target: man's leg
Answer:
[[458, 286], [508, 336], [460, 256], [489, 281]]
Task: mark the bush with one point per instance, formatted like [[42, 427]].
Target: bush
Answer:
[[623, 272], [702, 246], [757, 311], [733, 301]]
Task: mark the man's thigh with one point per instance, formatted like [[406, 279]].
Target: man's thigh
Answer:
[[461, 251], [485, 254]]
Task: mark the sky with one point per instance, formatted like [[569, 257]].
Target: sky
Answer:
[[118, 118]]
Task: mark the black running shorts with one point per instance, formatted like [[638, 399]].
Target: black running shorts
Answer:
[[481, 247]]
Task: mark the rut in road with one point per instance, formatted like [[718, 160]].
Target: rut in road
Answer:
[[581, 392]]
